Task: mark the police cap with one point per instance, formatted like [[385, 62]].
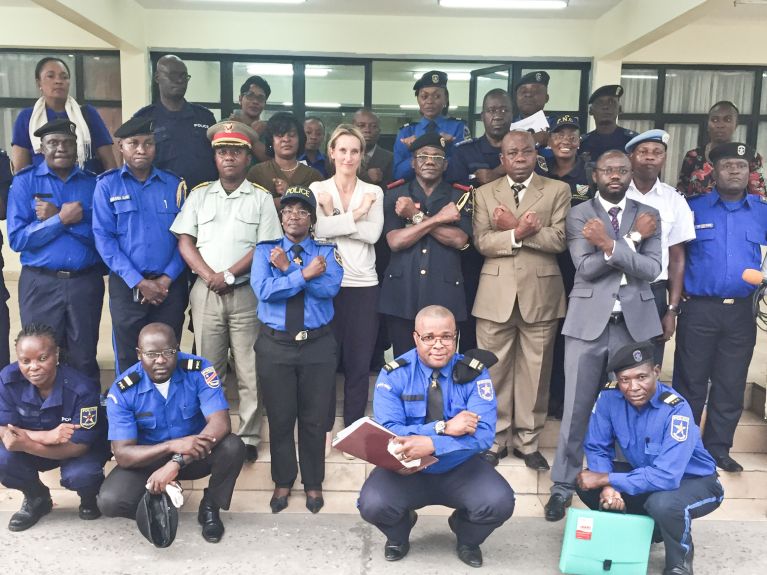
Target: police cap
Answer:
[[300, 193], [736, 150], [231, 133], [134, 127], [660, 136], [538, 77], [157, 519], [59, 126], [565, 121], [614, 90], [632, 355], [432, 139], [431, 79]]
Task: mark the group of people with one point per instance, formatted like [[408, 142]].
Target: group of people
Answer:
[[551, 260]]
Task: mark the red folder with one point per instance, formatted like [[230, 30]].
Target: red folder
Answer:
[[368, 440]]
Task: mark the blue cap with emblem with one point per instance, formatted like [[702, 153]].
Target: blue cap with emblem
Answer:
[[301, 194], [565, 121], [659, 136]]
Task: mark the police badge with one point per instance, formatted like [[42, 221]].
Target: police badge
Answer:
[[89, 416], [485, 389], [680, 425]]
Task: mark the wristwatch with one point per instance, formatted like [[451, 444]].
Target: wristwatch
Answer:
[[635, 237], [673, 309], [228, 278], [178, 458], [417, 217], [439, 427]]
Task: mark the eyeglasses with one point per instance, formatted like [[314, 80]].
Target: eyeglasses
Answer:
[[496, 111], [153, 355], [294, 213], [423, 158], [251, 97], [562, 136], [236, 152], [613, 171], [431, 339], [177, 76]]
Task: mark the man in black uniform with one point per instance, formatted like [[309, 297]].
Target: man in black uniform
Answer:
[[425, 231], [605, 106]]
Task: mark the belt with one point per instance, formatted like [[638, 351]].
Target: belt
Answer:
[[659, 284], [304, 335], [616, 317], [62, 274], [722, 300], [241, 284]]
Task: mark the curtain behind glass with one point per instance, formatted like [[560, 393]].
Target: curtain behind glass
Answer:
[[639, 91], [695, 91]]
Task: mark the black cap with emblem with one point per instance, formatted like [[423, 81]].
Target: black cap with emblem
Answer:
[[432, 139], [135, 127], [537, 77], [565, 121], [613, 90], [59, 126], [157, 519], [735, 150], [431, 79], [632, 355]]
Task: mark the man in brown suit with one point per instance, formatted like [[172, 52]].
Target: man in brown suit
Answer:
[[519, 226]]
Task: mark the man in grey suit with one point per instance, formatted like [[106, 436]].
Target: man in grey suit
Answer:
[[615, 243]]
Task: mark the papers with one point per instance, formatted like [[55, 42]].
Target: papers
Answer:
[[535, 123]]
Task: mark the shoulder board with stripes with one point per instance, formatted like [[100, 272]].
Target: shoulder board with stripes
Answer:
[[201, 185], [611, 385], [670, 398], [180, 193], [260, 188], [191, 364], [397, 363], [128, 381]]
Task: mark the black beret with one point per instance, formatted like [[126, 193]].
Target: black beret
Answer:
[[632, 355], [565, 121], [60, 126], [732, 150], [433, 78], [539, 77], [614, 90], [300, 193], [134, 127], [157, 519], [429, 139]]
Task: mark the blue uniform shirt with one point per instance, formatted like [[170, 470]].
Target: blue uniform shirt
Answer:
[[273, 287], [140, 412], [728, 240], [595, 144], [131, 223], [402, 155], [400, 399], [660, 441], [51, 244], [74, 399], [319, 164], [468, 157], [182, 144]]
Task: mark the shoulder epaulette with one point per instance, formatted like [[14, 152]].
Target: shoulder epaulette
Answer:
[[454, 118], [201, 185], [324, 242], [190, 364], [670, 398], [628, 132], [24, 169], [396, 184], [610, 385], [407, 125], [269, 242], [102, 174], [395, 364], [463, 142], [585, 137], [262, 188], [181, 193], [90, 173], [128, 381]]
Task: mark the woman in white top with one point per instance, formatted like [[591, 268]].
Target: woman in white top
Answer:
[[350, 213]]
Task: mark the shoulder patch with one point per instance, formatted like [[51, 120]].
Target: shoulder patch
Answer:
[[191, 364], [102, 174], [542, 164], [610, 385], [211, 377], [201, 185], [670, 398], [181, 193], [680, 427], [128, 381], [337, 256], [89, 417], [395, 364], [464, 142]]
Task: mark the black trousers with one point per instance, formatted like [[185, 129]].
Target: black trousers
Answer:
[[72, 307], [714, 342], [5, 330], [672, 511], [471, 266], [129, 317], [124, 488], [400, 333], [660, 291], [482, 499], [297, 383], [355, 327]]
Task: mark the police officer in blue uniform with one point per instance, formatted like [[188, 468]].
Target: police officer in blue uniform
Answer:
[[180, 127], [295, 280], [6, 177], [169, 420], [716, 328], [668, 474], [50, 416], [133, 209], [433, 99], [49, 223], [605, 106], [443, 404]]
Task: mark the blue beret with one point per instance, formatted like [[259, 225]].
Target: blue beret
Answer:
[[659, 136]]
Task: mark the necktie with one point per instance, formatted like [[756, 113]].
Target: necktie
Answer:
[[431, 126], [517, 188], [614, 220], [294, 307], [435, 405]]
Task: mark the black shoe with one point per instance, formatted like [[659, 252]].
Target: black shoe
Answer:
[[32, 509], [314, 504], [554, 510], [395, 551], [492, 457], [88, 508], [251, 453], [470, 554], [727, 463], [278, 503], [208, 517], [534, 460], [685, 568]]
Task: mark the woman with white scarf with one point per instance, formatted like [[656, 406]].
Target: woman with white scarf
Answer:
[[94, 144]]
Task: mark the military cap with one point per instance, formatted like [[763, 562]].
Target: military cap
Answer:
[[614, 90], [732, 150], [134, 127], [429, 139], [431, 79], [231, 133], [632, 355], [565, 121], [659, 136], [538, 77], [60, 126], [157, 519], [300, 193]]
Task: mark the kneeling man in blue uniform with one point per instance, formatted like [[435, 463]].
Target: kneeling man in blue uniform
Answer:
[[438, 403], [668, 475], [168, 420]]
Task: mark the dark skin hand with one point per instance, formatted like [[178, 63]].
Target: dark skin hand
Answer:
[[465, 423], [215, 281], [20, 440], [154, 291], [676, 261], [609, 498], [414, 447], [645, 225], [486, 175], [437, 225], [529, 224], [595, 232]]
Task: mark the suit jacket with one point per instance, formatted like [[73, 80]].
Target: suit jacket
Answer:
[[530, 274], [383, 159], [597, 281]]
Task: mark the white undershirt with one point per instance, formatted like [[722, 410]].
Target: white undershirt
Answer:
[[163, 388]]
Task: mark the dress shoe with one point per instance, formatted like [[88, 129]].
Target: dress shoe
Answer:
[[32, 509], [314, 502], [470, 554], [279, 502], [493, 457], [395, 551], [88, 509], [251, 453], [534, 460], [727, 463], [554, 510], [208, 517]]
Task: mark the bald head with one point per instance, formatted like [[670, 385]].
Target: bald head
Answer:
[[157, 330], [172, 79], [435, 336], [433, 312], [157, 351]]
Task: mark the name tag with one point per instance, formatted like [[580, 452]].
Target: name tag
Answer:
[[704, 226], [118, 198]]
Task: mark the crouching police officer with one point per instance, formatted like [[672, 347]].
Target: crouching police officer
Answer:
[[669, 475], [168, 420], [49, 418], [441, 403]]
